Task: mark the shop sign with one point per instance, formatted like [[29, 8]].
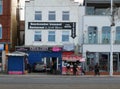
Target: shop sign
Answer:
[[22, 48], [56, 49], [38, 48], [72, 58]]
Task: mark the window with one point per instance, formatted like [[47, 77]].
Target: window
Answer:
[[90, 11], [65, 15], [51, 36], [106, 35], [92, 35], [37, 36], [65, 36], [117, 41], [0, 32], [1, 6], [52, 15], [38, 15]]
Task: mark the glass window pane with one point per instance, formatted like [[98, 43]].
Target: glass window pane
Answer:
[[117, 35], [1, 6], [92, 35], [37, 36], [90, 10], [0, 32], [51, 36], [51, 15], [65, 36], [65, 15], [38, 15], [106, 35]]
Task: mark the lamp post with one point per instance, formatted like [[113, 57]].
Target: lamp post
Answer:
[[111, 44]]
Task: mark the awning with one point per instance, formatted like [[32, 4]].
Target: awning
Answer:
[[17, 53], [73, 58]]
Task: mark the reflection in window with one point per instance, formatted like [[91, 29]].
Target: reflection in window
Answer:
[[51, 15], [65, 36], [51, 36], [117, 41], [92, 35], [37, 36], [106, 35]]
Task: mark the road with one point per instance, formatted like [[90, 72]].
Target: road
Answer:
[[58, 82]]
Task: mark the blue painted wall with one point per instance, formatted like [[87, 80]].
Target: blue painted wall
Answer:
[[15, 63]]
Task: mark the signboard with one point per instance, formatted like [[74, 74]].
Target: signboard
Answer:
[[42, 48], [73, 58], [54, 25], [51, 25]]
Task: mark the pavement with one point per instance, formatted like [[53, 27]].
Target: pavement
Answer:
[[51, 75]]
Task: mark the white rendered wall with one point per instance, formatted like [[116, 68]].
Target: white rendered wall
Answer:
[[99, 22], [54, 5]]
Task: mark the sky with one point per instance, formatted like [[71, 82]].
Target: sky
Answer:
[[22, 4]]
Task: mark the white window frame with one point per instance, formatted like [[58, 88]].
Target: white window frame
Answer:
[[52, 15], [51, 33], [65, 15], [38, 15], [65, 34], [38, 33]]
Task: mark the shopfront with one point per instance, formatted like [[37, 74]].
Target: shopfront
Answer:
[[103, 58], [1, 54], [47, 55], [69, 58]]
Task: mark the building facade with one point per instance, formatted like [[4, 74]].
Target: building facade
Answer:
[[52, 28], [7, 28], [97, 33]]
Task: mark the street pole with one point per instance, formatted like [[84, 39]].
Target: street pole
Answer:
[[111, 44]]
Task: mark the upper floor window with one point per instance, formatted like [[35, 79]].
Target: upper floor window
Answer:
[[38, 15], [106, 35], [37, 36], [65, 36], [51, 36], [65, 15], [0, 32], [90, 11], [1, 6], [52, 15], [117, 40], [92, 35]]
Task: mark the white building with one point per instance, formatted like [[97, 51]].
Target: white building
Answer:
[[44, 22], [53, 23], [97, 35]]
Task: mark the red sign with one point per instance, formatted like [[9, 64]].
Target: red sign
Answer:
[[72, 58]]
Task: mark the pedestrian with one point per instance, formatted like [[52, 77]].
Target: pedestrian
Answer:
[[75, 68], [96, 69], [82, 71], [68, 68]]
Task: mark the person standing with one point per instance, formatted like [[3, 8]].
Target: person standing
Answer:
[[75, 68], [96, 69]]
